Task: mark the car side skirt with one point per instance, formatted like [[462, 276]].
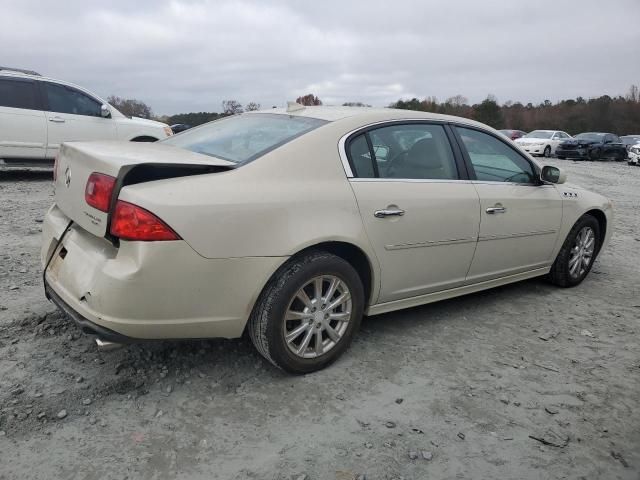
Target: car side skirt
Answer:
[[453, 292]]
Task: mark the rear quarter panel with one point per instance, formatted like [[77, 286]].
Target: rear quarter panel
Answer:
[[293, 197]]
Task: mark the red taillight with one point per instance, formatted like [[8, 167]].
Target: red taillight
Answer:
[[98, 191], [131, 222]]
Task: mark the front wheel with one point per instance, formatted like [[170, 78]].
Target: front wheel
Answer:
[[576, 257], [547, 151], [594, 154], [308, 313]]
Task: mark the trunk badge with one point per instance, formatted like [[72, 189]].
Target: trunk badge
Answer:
[[67, 177]]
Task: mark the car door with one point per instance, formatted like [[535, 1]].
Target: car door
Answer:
[[556, 140], [613, 147], [23, 126], [73, 116], [520, 216], [420, 211]]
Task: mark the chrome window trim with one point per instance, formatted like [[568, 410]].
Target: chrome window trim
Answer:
[[409, 180]]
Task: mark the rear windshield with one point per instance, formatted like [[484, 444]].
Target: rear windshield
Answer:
[[243, 138], [539, 134], [596, 137]]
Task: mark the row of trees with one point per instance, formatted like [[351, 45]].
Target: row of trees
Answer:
[[619, 115]]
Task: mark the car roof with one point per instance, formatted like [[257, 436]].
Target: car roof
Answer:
[[367, 114], [36, 76]]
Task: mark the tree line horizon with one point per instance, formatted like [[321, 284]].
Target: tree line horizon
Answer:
[[620, 114]]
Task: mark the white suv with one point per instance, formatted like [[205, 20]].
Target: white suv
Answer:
[[37, 114]]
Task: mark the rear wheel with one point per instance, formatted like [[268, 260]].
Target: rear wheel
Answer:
[[595, 154], [547, 151], [308, 313], [576, 257]]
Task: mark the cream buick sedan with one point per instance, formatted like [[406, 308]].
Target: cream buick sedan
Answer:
[[291, 224]]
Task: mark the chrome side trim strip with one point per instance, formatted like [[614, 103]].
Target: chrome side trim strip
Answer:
[[402, 246], [515, 235], [408, 180]]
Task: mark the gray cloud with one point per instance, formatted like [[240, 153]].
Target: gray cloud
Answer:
[[189, 55]]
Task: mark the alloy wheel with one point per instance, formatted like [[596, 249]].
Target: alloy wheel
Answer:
[[318, 316], [582, 251]]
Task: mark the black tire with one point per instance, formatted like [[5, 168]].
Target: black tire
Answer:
[[594, 154], [560, 274], [144, 139], [266, 325], [547, 152], [561, 158]]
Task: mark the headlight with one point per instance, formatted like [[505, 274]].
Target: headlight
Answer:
[[168, 131]]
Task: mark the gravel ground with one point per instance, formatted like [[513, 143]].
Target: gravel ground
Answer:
[[524, 381]]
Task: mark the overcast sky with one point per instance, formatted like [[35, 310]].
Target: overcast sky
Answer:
[[184, 55]]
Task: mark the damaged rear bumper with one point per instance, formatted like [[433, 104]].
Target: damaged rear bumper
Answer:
[[148, 290]]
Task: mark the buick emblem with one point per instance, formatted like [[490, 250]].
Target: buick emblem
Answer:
[[67, 177]]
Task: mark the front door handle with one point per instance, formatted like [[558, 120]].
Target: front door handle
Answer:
[[496, 209], [56, 119], [388, 212]]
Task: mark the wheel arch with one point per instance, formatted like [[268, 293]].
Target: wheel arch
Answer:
[[602, 223], [353, 255]]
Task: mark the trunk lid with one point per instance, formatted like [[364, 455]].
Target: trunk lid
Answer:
[[128, 162]]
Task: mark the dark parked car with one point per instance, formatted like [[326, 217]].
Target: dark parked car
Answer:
[[512, 134], [630, 140], [593, 146], [180, 127]]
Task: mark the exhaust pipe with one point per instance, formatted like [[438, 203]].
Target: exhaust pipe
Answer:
[[106, 346]]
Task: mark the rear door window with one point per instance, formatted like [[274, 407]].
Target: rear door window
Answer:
[[18, 93], [64, 99], [404, 151]]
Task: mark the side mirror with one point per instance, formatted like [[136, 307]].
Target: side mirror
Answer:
[[105, 112], [551, 174]]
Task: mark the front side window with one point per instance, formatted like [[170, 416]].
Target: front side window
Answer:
[[404, 151], [18, 94], [243, 138], [63, 99], [495, 161]]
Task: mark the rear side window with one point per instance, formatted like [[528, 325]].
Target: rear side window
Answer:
[[404, 151], [18, 94], [243, 138], [495, 161], [63, 99]]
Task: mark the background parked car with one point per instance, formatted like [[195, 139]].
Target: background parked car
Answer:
[[634, 155], [512, 134], [630, 140], [38, 114], [593, 146], [542, 142], [180, 127]]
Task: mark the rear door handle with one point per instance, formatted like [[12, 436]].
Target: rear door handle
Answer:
[[56, 119], [494, 210], [388, 212]]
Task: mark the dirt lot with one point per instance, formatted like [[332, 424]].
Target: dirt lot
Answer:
[[468, 382]]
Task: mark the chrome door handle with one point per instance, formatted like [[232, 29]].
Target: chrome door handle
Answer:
[[388, 212], [56, 119], [494, 210]]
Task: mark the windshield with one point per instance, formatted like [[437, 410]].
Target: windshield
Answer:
[[243, 138], [538, 134], [596, 137], [630, 139]]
